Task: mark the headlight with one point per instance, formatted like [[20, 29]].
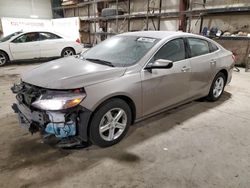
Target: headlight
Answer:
[[59, 101]]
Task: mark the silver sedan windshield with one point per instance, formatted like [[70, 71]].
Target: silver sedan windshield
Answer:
[[120, 51]]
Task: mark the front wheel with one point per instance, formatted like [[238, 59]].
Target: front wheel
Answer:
[[68, 52], [110, 123], [3, 58], [217, 87]]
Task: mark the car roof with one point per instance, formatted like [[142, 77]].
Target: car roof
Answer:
[[40, 31], [37, 31], [157, 34]]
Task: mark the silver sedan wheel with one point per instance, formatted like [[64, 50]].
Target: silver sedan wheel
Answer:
[[68, 53], [218, 87], [112, 124], [2, 59]]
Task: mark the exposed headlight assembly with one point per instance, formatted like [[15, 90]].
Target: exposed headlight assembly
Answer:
[[58, 101]]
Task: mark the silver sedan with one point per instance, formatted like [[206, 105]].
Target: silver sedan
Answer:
[[95, 96]]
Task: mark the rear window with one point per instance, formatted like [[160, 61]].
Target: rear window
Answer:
[[48, 36], [213, 47], [198, 47]]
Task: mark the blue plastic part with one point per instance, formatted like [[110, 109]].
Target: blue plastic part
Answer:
[[61, 130]]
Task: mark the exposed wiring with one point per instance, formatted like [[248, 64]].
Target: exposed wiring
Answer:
[[52, 119]]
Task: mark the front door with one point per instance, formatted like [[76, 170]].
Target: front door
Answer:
[[162, 88], [26, 46]]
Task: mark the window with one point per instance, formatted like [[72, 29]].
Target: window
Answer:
[[28, 37], [174, 51], [198, 46], [121, 51], [48, 36], [213, 47], [10, 36]]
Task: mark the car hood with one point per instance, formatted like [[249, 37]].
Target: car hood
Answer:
[[70, 73]]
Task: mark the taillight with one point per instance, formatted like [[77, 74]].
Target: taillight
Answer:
[[78, 41]]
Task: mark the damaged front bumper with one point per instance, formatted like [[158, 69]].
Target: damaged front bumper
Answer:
[[64, 124], [33, 121]]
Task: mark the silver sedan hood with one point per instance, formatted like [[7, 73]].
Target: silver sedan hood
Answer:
[[70, 73]]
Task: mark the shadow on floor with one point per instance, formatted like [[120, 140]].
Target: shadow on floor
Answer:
[[29, 151]]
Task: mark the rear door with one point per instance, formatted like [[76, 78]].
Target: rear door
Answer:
[[162, 88], [51, 44], [203, 63], [26, 46]]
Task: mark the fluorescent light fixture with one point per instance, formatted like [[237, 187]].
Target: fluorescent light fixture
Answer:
[[33, 16]]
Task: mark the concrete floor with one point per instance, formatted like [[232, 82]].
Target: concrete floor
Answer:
[[200, 144]]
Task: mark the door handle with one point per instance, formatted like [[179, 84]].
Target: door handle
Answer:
[[185, 69], [213, 61]]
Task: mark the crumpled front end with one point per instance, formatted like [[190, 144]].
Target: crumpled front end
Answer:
[[52, 112]]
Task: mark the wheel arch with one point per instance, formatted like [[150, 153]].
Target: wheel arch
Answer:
[[86, 120], [224, 71], [123, 97], [8, 56], [70, 47]]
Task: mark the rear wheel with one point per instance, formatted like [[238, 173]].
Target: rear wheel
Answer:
[[217, 87], [68, 52], [110, 123], [3, 58]]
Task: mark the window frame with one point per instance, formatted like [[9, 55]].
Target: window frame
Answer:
[[190, 52], [58, 37], [211, 48], [13, 41], [185, 48], [209, 45]]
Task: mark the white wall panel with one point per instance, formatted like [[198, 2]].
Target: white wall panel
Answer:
[[25, 8], [169, 24]]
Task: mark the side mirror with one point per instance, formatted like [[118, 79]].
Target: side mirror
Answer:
[[160, 64]]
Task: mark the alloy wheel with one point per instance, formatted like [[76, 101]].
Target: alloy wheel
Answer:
[[2, 59], [68, 53], [112, 124], [218, 87]]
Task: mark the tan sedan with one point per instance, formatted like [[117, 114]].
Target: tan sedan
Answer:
[[96, 96]]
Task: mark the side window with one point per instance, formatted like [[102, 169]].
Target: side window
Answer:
[[198, 47], [213, 47], [28, 37], [48, 36], [174, 50]]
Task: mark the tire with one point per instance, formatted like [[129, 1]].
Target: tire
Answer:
[[3, 58], [104, 129], [217, 87], [111, 12], [68, 52]]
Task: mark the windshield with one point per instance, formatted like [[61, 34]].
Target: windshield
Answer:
[[8, 37], [120, 51]]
